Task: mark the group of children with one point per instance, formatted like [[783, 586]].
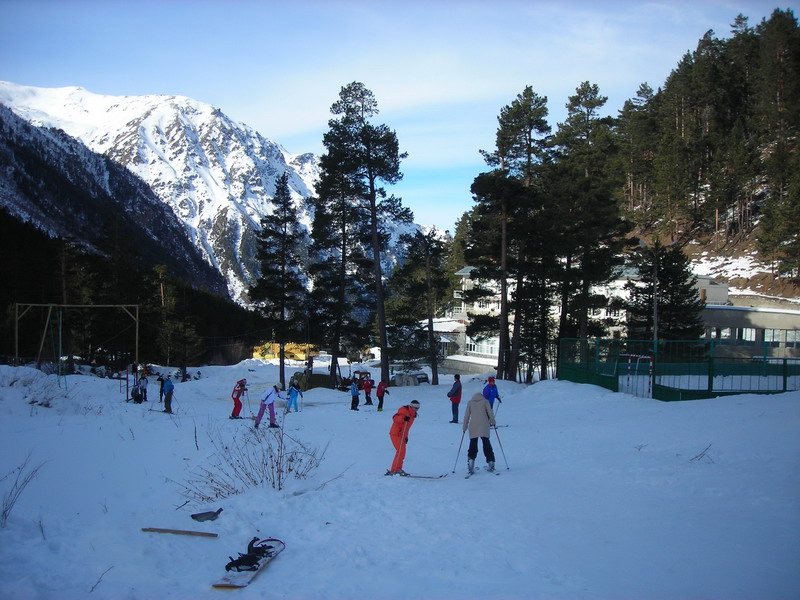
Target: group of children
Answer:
[[166, 389], [368, 384], [272, 393]]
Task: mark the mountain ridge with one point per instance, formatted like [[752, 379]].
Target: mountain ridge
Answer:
[[52, 180], [216, 175]]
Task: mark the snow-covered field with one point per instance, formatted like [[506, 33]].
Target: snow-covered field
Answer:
[[600, 495]]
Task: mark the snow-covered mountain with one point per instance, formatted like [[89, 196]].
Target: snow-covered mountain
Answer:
[[217, 176], [54, 182]]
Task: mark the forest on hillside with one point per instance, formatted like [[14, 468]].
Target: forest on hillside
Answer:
[[712, 154], [177, 324], [715, 150]]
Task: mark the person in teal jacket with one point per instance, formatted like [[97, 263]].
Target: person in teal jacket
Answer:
[[294, 390], [354, 394], [169, 388]]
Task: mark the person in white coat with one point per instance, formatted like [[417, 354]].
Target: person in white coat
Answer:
[[273, 392], [143, 387], [478, 418]]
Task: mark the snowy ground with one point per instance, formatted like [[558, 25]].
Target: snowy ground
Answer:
[[600, 496]]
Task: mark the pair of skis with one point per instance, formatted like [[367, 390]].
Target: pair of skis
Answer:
[[468, 475], [445, 475], [419, 476]]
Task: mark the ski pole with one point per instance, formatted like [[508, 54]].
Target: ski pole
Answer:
[[459, 450], [501, 446]]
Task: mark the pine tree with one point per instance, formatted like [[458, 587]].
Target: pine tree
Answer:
[[367, 157], [637, 129], [500, 228], [593, 230], [521, 137], [280, 291], [421, 290], [676, 313], [340, 275]]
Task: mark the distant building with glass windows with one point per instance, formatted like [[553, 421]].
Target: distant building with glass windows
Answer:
[[767, 327]]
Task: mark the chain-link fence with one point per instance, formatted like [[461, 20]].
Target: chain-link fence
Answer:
[[680, 370]]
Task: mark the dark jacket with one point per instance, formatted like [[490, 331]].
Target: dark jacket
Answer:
[[455, 392]]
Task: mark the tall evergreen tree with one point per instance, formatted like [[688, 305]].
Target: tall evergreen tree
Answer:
[[663, 303], [637, 130], [336, 271], [504, 208], [521, 139], [583, 179], [280, 291], [497, 195], [422, 288], [369, 158], [779, 103]]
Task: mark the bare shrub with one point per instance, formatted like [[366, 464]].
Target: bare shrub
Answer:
[[21, 481], [248, 460]]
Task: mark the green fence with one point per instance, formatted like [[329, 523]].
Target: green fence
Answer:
[[680, 370]]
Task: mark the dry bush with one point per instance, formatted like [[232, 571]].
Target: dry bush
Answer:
[[248, 460]]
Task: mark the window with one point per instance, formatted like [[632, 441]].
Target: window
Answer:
[[488, 347], [747, 334], [772, 337], [793, 338]]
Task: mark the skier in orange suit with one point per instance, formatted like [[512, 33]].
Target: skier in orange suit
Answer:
[[401, 423]]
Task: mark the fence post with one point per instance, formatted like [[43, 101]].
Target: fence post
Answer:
[[711, 368], [596, 355], [785, 373]]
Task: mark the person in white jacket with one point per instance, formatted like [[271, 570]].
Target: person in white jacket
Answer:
[[270, 395], [478, 418]]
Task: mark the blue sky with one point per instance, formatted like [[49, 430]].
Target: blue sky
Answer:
[[441, 70]]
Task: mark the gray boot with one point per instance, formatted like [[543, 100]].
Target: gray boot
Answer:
[[491, 466], [471, 465]]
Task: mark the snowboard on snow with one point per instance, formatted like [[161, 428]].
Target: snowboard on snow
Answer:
[[242, 570]]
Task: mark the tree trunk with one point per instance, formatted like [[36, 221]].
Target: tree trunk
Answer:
[[503, 337], [429, 309], [380, 307], [513, 361]]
